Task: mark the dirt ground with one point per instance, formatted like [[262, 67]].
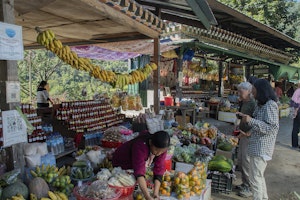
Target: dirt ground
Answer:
[[283, 171]]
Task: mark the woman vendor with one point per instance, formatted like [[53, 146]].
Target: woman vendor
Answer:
[[140, 153]]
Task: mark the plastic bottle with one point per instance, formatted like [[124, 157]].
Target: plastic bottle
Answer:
[[62, 144]]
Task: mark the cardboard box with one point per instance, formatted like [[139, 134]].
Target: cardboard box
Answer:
[[227, 117], [179, 120], [183, 167], [284, 112]]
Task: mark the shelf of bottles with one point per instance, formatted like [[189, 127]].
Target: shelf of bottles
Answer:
[[38, 134], [92, 115]]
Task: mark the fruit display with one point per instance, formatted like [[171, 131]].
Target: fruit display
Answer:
[[47, 38], [38, 187], [220, 163], [197, 178], [236, 79], [14, 189], [131, 102], [56, 177], [225, 145], [166, 185], [228, 109], [181, 185], [80, 170], [106, 164]]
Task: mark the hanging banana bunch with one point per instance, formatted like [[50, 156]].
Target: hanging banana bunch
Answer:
[[47, 39]]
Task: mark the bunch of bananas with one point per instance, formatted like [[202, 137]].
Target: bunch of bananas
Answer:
[[47, 38], [55, 196], [123, 80], [49, 173], [18, 197]]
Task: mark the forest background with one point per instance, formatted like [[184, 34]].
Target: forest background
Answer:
[[67, 83]]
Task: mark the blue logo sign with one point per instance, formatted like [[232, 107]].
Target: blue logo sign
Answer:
[[10, 32]]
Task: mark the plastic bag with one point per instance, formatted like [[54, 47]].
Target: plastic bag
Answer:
[[9, 178]]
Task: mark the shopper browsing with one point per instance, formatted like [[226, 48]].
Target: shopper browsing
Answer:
[[295, 103], [139, 154], [42, 95], [247, 107], [264, 129]]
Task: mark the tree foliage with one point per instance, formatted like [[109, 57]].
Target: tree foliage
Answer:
[[283, 15], [66, 83]]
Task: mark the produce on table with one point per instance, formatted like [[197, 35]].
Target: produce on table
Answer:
[[225, 145], [17, 188], [166, 185], [106, 164], [81, 170], [104, 174], [197, 178], [112, 135], [38, 187], [121, 178], [220, 163], [9, 177], [97, 190], [181, 185], [204, 154], [57, 178]]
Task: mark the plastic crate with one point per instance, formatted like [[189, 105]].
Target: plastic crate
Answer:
[[220, 183]]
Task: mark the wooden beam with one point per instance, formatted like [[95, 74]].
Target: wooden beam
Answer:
[[219, 7], [9, 72], [156, 76], [122, 18]]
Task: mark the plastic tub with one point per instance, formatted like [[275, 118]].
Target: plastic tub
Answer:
[[110, 144], [126, 191], [169, 101]]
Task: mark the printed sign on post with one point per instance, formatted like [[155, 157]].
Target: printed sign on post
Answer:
[[12, 92], [11, 42], [14, 128]]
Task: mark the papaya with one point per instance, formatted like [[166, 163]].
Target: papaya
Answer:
[[220, 165], [225, 146]]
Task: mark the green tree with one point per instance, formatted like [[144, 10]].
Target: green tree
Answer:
[[66, 83], [283, 15]]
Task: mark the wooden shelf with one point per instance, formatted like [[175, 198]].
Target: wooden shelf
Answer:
[[66, 152]]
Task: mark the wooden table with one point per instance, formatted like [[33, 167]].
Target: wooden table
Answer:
[[184, 110]]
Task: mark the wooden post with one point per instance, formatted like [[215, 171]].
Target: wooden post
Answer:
[[179, 69], [221, 88], [9, 72], [156, 75], [247, 71]]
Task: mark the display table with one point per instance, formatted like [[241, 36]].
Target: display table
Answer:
[[213, 109], [184, 110]]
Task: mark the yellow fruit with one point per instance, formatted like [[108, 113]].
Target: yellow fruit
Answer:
[[52, 195]]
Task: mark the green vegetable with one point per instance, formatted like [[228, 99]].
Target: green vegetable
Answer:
[[9, 177], [14, 189]]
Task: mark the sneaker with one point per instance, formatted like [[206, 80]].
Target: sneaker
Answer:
[[241, 187], [245, 193]]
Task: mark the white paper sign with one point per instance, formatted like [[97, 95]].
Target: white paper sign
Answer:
[[12, 92], [11, 42], [14, 128]]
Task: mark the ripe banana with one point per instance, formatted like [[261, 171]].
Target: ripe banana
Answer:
[[52, 195]]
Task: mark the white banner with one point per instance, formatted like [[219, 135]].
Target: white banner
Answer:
[[11, 42], [14, 128]]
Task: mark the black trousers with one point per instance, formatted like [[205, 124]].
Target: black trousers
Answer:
[[296, 128]]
